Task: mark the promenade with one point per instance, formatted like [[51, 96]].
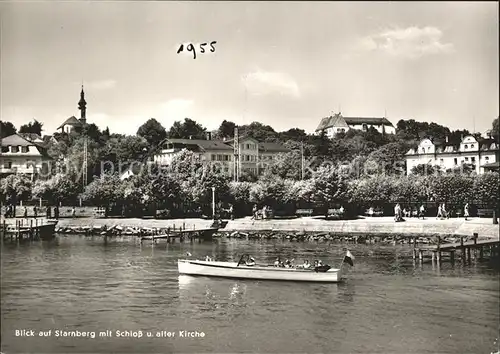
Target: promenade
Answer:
[[484, 227]]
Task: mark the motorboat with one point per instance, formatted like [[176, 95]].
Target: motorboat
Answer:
[[246, 268]]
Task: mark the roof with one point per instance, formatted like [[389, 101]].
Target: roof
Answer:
[[332, 121], [203, 144], [272, 147], [368, 120], [16, 140], [31, 137], [70, 121], [338, 120]]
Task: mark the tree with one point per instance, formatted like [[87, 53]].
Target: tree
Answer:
[[152, 131], [6, 129], [376, 191], [259, 131], [389, 158], [495, 129], [454, 189], [329, 186], [58, 188], [426, 170], [294, 134], [34, 127], [284, 165], [15, 187], [188, 129], [106, 190], [486, 189], [121, 150], [226, 130]]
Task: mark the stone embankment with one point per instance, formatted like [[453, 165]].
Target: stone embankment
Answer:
[[454, 227]]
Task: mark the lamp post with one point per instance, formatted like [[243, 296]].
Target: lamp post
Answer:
[[213, 202]]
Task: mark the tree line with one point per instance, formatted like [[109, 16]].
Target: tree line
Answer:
[[374, 164]]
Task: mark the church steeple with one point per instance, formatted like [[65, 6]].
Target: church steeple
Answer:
[[82, 106]]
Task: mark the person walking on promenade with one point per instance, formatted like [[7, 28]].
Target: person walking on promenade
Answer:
[[56, 212], [35, 211], [73, 212], [466, 211], [445, 213], [25, 213], [48, 213], [254, 212], [440, 212], [421, 212]]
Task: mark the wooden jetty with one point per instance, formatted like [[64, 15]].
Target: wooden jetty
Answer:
[[469, 249], [29, 229]]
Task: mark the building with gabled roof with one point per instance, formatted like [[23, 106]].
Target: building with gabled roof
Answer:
[[339, 124], [253, 154], [483, 154], [20, 155]]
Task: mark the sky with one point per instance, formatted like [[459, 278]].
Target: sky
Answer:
[[285, 64]]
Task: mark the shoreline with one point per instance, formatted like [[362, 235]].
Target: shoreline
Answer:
[[484, 227]]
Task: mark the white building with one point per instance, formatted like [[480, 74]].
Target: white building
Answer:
[[254, 155], [482, 154], [340, 124], [20, 155]]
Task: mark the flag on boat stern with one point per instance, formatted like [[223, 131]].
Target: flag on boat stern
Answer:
[[349, 258]]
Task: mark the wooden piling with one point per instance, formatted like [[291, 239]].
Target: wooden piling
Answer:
[[439, 249], [462, 248], [474, 235]]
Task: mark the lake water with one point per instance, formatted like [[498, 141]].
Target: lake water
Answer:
[[387, 304]]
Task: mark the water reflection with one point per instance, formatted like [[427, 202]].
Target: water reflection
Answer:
[[387, 304]]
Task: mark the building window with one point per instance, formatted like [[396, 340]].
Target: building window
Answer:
[[466, 159], [213, 157], [471, 146], [466, 146], [7, 164], [30, 164], [486, 158], [441, 161], [14, 149], [365, 127], [472, 159], [456, 161], [24, 149]]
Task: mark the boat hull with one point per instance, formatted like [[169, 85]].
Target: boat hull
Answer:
[[231, 270]]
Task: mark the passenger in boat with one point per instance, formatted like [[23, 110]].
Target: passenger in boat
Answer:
[[306, 265], [208, 259], [250, 261], [277, 262]]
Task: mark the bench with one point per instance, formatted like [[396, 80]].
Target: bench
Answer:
[[334, 214], [304, 212], [484, 212], [376, 212], [162, 213], [99, 212]]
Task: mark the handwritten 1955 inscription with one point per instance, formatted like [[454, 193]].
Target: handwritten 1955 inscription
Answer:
[[191, 48]]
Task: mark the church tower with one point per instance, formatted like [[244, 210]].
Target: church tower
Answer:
[[82, 106]]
